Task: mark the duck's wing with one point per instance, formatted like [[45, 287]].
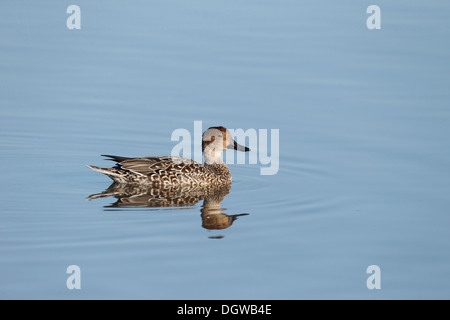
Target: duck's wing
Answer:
[[159, 165]]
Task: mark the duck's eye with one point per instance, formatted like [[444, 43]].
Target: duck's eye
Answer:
[[220, 136]]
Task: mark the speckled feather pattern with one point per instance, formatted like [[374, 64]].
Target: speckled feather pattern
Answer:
[[166, 171]]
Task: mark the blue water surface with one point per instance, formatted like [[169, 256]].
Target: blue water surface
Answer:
[[364, 124]]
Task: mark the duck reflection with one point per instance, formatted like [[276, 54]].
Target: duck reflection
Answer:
[[141, 196]]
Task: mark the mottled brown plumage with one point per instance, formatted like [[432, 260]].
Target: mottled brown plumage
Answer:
[[178, 171]]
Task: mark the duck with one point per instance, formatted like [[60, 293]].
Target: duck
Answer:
[[170, 171]]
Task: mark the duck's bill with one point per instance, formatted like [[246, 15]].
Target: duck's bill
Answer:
[[238, 147]]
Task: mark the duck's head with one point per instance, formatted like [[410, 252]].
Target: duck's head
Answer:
[[215, 141]]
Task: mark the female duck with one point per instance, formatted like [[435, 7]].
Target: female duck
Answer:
[[178, 171]]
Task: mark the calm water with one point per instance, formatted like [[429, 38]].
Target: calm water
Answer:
[[364, 125]]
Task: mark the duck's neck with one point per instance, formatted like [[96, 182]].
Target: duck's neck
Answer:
[[215, 165], [212, 157]]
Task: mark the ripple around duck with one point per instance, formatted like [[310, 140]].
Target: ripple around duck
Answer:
[[297, 187]]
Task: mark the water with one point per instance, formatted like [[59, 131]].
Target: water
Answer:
[[364, 149]]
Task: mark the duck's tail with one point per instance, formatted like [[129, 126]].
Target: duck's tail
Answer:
[[113, 173]]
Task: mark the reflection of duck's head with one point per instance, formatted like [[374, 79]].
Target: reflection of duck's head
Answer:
[[218, 221], [213, 216]]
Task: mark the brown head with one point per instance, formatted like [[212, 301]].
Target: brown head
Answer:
[[215, 141], [221, 139]]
